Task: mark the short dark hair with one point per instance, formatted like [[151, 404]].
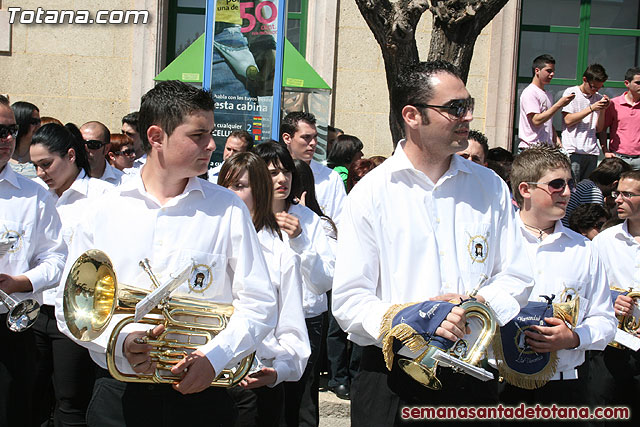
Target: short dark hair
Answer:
[[609, 171], [586, 216], [414, 86], [22, 111], [59, 139], [245, 136], [481, 139], [634, 175], [277, 154], [499, 154], [289, 124], [167, 106], [4, 100], [541, 61], [533, 163], [131, 119], [343, 150], [631, 72], [595, 72]]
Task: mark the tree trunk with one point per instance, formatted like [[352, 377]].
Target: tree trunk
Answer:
[[456, 26]]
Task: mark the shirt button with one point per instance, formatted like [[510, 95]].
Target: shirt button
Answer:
[[441, 253], [437, 220]]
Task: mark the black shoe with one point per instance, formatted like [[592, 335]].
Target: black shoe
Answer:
[[342, 391]]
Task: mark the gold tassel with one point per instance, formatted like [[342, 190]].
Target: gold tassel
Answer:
[[402, 332], [518, 379]]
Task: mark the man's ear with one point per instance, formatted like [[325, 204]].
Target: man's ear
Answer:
[[155, 136], [287, 138], [411, 116]]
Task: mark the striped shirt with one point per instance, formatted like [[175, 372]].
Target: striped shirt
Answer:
[[586, 192]]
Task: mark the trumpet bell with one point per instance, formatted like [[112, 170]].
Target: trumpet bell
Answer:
[[89, 295], [421, 372], [23, 315]]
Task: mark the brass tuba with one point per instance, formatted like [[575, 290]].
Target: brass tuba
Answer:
[[627, 323], [92, 295], [469, 354]]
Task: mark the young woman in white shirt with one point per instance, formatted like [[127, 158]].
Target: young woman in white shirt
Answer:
[[304, 233], [283, 355], [61, 165]]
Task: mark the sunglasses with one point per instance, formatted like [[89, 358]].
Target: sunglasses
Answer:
[[457, 108], [93, 144], [6, 130], [126, 152], [35, 121], [557, 185], [624, 194]]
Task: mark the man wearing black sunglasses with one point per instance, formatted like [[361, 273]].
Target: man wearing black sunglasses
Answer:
[[31, 260], [96, 141], [424, 226]]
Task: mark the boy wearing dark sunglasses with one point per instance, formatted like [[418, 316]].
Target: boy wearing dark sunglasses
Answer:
[[566, 268]]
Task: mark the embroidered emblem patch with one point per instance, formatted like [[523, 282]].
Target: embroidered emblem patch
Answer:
[[201, 278], [11, 241], [478, 248]]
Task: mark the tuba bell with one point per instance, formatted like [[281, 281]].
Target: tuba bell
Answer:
[[465, 355], [92, 295]]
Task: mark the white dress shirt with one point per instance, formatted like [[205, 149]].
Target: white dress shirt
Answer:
[[72, 207], [212, 174], [565, 263], [330, 191], [317, 260], [112, 175], [620, 254], [404, 239], [286, 348], [28, 215], [206, 224]]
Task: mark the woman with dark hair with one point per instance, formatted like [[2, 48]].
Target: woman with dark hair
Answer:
[[307, 197], [121, 154], [282, 355], [28, 121], [358, 169], [345, 150], [61, 164], [304, 233]]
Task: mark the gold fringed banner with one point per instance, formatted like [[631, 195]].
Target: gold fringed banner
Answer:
[[402, 332]]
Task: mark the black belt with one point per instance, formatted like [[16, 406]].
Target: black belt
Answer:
[[629, 156]]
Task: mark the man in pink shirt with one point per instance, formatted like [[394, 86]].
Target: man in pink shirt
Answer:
[[622, 118], [537, 107]]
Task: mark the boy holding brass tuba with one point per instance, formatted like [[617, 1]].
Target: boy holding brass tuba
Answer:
[[566, 269], [425, 225], [175, 219]]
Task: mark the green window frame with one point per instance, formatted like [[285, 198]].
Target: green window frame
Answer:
[[174, 10], [583, 30]]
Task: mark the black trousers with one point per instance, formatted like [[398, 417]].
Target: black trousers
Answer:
[[301, 406], [343, 355], [259, 406], [116, 404], [378, 395], [64, 374], [17, 356]]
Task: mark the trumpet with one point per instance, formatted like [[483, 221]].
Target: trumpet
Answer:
[[463, 356], [627, 323], [22, 314], [92, 295]]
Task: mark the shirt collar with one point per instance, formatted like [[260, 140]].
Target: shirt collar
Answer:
[[81, 183], [623, 232], [559, 231], [400, 162], [624, 100], [135, 185], [10, 176]]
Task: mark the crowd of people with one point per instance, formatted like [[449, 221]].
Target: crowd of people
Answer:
[[369, 258]]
